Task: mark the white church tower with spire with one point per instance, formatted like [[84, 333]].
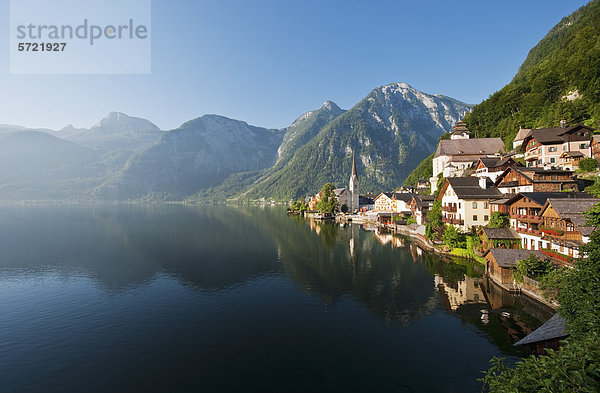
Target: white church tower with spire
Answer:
[[353, 187]]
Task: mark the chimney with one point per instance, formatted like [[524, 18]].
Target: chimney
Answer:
[[563, 124], [483, 182]]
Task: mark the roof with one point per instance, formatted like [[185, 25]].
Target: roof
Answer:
[[541, 197], [339, 191], [508, 257], [495, 162], [485, 146], [553, 329], [573, 209], [522, 134], [501, 233], [575, 153], [548, 136], [527, 173], [353, 166], [460, 127], [468, 188], [399, 196], [423, 200]]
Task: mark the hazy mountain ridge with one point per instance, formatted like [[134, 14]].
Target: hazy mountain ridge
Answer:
[[214, 157]]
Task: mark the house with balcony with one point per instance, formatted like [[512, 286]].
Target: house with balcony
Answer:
[[564, 227], [569, 160], [466, 201], [532, 179], [524, 210], [543, 147], [419, 206]]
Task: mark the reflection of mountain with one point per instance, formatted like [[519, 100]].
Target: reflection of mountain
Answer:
[[122, 247], [359, 266]]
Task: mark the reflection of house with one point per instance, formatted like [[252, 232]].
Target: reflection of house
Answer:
[[544, 146], [467, 291], [518, 179], [499, 238], [500, 263], [385, 237], [466, 201], [564, 227], [420, 205], [546, 336]]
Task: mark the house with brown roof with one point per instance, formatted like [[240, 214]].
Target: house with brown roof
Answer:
[[564, 227], [524, 210], [519, 179], [499, 238], [457, 151], [466, 201], [493, 167], [420, 205], [544, 146], [521, 135], [501, 262], [549, 335], [595, 147], [394, 202]]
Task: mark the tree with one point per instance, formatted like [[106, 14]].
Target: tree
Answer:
[[328, 202], [434, 215], [532, 267], [453, 238], [588, 164], [498, 220]]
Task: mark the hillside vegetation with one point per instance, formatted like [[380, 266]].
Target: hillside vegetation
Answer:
[[559, 79]]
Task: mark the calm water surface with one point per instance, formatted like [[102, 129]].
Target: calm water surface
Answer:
[[233, 299]]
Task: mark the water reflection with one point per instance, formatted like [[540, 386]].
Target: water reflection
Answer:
[[212, 248]]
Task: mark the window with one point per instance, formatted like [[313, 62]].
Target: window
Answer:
[[552, 160], [485, 205], [551, 149], [554, 177], [583, 145], [474, 218], [474, 205], [459, 205], [486, 218]]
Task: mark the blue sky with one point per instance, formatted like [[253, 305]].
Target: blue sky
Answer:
[[267, 62]]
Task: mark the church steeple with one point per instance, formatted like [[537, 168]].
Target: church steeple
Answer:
[[353, 187]]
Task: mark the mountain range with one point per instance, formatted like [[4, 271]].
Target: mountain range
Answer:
[[213, 157]]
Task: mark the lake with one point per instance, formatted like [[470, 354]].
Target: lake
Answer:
[[171, 298]]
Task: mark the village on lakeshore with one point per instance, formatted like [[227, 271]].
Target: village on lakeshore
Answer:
[[519, 212]]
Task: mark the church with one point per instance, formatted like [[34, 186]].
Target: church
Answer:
[[350, 196]]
